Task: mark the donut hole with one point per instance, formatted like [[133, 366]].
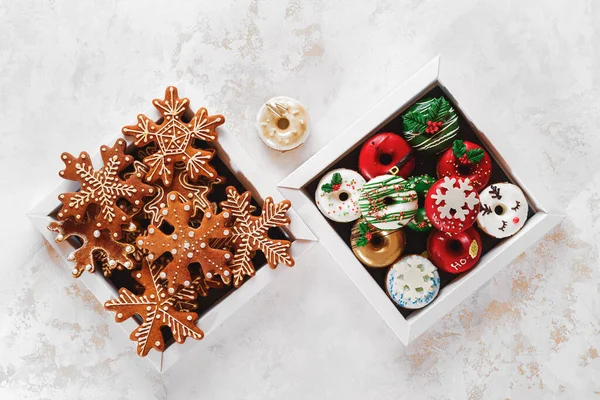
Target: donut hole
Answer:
[[464, 169], [343, 196], [283, 123], [452, 211], [377, 240], [385, 158], [455, 246], [499, 210], [388, 201]]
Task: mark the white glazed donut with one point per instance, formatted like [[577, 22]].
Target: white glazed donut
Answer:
[[387, 204], [503, 210], [412, 282], [337, 194], [283, 123]]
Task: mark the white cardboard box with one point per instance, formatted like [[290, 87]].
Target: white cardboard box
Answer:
[[547, 213], [252, 178]]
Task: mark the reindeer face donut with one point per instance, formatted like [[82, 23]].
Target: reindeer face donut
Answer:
[[338, 193], [503, 210], [283, 123], [386, 203], [452, 204], [430, 125], [466, 160], [376, 248], [386, 153], [457, 253], [412, 282]]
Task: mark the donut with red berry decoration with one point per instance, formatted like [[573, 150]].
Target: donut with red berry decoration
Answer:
[[386, 153], [454, 253], [430, 125], [452, 204], [466, 160], [338, 193]]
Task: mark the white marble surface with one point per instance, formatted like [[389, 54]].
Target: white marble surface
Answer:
[[74, 72]]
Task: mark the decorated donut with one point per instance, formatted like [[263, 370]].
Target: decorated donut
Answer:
[[466, 160], [452, 204], [376, 248], [386, 204], [457, 253], [412, 282], [503, 210], [421, 185], [338, 193], [386, 153], [283, 123], [430, 125]]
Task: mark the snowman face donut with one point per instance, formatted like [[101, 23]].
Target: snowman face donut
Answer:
[[387, 204], [503, 210], [283, 123], [338, 193]]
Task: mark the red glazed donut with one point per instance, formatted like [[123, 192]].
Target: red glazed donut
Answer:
[[386, 153], [466, 160], [454, 254], [452, 204]]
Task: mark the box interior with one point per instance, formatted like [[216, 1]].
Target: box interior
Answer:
[[416, 242]]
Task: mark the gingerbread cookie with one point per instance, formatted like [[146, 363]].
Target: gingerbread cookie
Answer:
[[156, 308], [174, 137], [251, 233], [103, 187], [94, 240], [188, 244]]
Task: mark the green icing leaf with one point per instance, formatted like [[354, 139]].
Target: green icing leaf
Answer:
[[459, 148], [434, 108], [363, 228], [361, 241], [414, 121], [438, 110], [475, 155], [327, 188], [336, 179]]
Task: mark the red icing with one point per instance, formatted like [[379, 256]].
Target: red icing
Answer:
[[386, 143], [479, 174], [451, 253], [449, 225], [516, 220]]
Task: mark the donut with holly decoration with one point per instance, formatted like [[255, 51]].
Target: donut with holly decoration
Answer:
[[454, 253], [421, 185], [376, 248], [386, 153], [466, 160], [430, 125], [452, 204], [337, 194]]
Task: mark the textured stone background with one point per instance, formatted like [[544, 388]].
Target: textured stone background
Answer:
[[74, 72]]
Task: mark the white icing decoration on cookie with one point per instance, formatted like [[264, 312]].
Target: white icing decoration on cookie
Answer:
[[331, 203], [413, 282], [283, 123], [503, 210]]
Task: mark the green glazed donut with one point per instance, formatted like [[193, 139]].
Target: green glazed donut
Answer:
[[430, 125], [421, 185]]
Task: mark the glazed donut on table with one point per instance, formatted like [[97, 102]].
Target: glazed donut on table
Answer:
[[452, 204], [283, 123], [430, 125], [466, 160], [456, 253], [412, 282], [338, 193], [386, 203], [385, 153], [376, 248], [503, 211]]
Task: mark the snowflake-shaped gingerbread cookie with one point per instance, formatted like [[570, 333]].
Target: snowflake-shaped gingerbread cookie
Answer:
[[174, 136], [452, 204], [103, 187], [413, 282]]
